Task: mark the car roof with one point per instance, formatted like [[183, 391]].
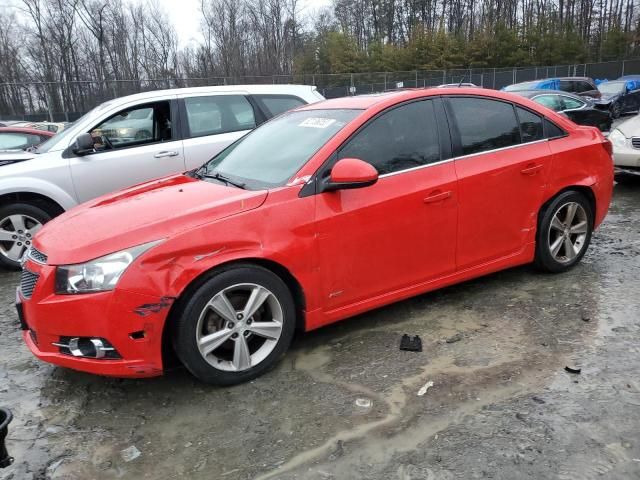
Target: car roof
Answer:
[[32, 131], [540, 91], [382, 100], [587, 79], [290, 89]]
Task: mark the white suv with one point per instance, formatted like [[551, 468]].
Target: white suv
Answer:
[[127, 141]]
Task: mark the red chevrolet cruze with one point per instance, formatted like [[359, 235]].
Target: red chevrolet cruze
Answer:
[[322, 213]]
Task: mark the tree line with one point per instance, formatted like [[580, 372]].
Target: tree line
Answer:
[[69, 55]]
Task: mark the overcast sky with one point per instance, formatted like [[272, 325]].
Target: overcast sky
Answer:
[[186, 17]]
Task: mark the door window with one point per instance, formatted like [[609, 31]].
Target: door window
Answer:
[[550, 101], [401, 138], [531, 127], [567, 86], [276, 104], [139, 125], [571, 103], [218, 114], [484, 124]]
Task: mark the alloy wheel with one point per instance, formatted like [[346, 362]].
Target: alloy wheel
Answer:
[[568, 232], [16, 235], [239, 327]]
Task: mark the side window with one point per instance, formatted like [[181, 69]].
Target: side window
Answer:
[[139, 125], [484, 124], [567, 86], [571, 103], [401, 138], [276, 104], [584, 87], [531, 127], [218, 114], [549, 101]]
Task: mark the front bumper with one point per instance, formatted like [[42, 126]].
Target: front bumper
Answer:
[[626, 156], [117, 316]]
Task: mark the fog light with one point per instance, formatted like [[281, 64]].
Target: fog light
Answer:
[[87, 347]]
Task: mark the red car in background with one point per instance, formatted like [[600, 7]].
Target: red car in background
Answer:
[[18, 138], [322, 213]]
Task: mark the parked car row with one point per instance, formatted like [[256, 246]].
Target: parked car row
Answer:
[[52, 127], [16, 138], [326, 211]]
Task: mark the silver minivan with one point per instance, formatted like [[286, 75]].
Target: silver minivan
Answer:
[[128, 141]]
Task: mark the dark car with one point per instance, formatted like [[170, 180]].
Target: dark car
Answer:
[[583, 86], [619, 97], [14, 138], [581, 110]]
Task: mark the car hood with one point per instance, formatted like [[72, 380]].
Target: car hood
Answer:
[[608, 97], [144, 213], [14, 156], [630, 128]]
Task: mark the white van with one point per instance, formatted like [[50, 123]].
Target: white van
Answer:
[[127, 141]]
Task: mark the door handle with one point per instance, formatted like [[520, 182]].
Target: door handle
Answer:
[[531, 170], [165, 153], [437, 196]]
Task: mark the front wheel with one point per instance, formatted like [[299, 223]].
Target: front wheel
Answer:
[[616, 110], [235, 326], [19, 222], [564, 232]]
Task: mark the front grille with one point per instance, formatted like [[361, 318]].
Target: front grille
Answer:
[[28, 282], [635, 141], [37, 256]]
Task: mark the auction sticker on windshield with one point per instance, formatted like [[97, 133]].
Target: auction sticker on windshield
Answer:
[[314, 122]]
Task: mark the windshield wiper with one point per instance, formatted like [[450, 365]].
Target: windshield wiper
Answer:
[[219, 176]]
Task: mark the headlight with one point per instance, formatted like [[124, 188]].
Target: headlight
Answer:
[[123, 131], [99, 275], [617, 138]]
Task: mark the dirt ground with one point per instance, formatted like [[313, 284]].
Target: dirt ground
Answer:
[[344, 403]]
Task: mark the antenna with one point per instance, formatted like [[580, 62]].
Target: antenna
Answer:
[[464, 76]]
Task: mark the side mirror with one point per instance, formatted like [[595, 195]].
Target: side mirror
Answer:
[[83, 144], [350, 173]]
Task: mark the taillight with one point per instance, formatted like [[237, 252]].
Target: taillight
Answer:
[[608, 146]]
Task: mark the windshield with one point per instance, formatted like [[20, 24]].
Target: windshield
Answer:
[[271, 154], [518, 87], [611, 87]]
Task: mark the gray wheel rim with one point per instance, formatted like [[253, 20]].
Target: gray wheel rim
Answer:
[[568, 232], [16, 234], [239, 327]]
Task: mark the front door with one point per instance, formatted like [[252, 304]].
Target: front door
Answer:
[[135, 145], [401, 231]]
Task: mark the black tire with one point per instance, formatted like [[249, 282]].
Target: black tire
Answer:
[[185, 328], [544, 258], [26, 209], [616, 110]]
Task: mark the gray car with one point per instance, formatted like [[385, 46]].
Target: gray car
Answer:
[[128, 141]]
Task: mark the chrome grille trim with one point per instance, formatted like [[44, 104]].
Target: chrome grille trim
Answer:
[[37, 256], [635, 142], [28, 281]]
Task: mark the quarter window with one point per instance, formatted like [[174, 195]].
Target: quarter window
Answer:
[[401, 138], [530, 125], [484, 124], [276, 104], [218, 114], [140, 125]]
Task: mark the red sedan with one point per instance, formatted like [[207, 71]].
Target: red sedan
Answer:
[[325, 212]]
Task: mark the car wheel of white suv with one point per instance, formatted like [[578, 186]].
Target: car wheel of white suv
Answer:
[[19, 222]]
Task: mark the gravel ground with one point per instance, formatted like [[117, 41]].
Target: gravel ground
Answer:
[[344, 403]]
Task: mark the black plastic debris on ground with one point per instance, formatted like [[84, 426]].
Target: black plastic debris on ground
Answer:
[[411, 344], [574, 370]]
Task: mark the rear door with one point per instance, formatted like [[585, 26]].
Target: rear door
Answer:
[[211, 122], [137, 144], [501, 163]]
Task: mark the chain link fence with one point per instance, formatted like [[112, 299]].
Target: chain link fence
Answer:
[[67, 101]]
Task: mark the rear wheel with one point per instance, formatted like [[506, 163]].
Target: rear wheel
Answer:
[[564, 232], [19, 222], [235, 326]]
